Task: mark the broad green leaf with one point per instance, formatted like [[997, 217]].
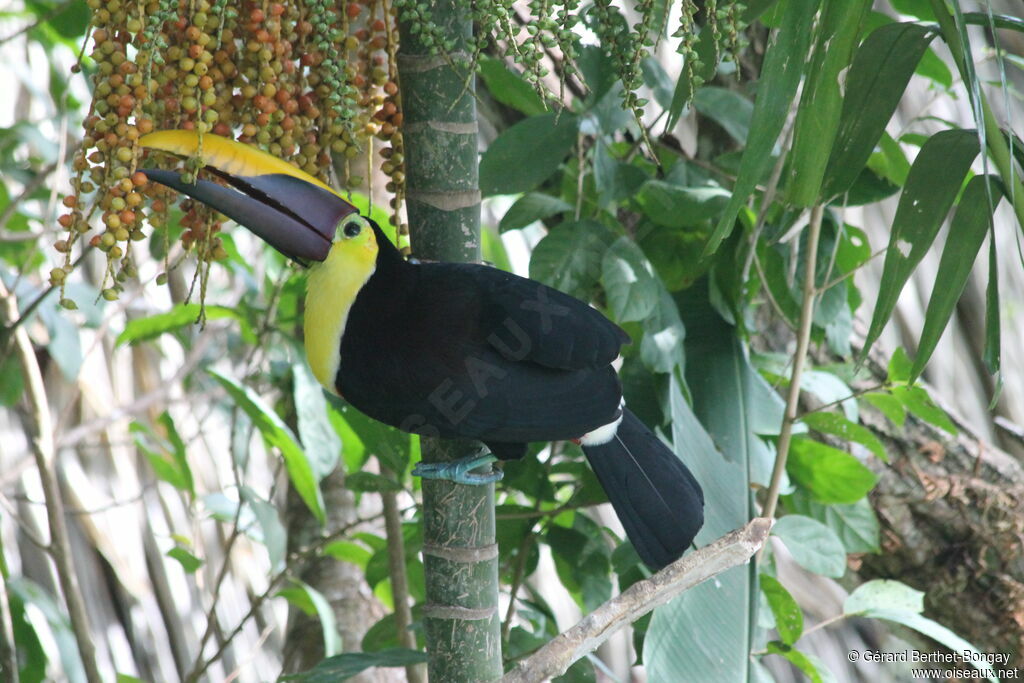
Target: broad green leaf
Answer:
[[966, 233], [875, 84], [813, 545], [917, 401], [275, 537], [569, 258], [660, 83], [883, 594], [312, 601], [813, 667], [367, 481], [991, 351], [829, 474], [532, 206], [899, 366], [345, 666], [661, 349], [347, 551], [838, 425], [780, 75], [319, 439], [525, 155], [628, 281], [829, 388], [789, 618], [11, 380], [855, 524], [939, 633], [889, 405], [144, 329], [821, 103], [899, 603], [717, 651], [674, 207], [932, 185], [366, 436], [189, 562], [277, 434], [509, 88], [727, 108], [615, 180]]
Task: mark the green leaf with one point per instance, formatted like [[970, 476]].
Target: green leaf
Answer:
[[532, 206], [875, 84], [932, 185], [899, 366], [276, 433], [674, 207], [838, 425], [614, 180], [628, 281], [509, 88], [660, 83], [366, 436], [144, 329], [312, 601], [344, 666], [889, 405], [189, 562], [780, 75], [11, 380], [991, 352], [811, 666], [728, 108], [526, 154], [855, 524], [273, 533], [917, 401], [319, 439], [367, 481], [718, 651], [818, 115], [789, 618], [966, 233], [883, 594], [813, 545], [347, 551], [901, 604], [829, 474], [661, 349], [569, 258]]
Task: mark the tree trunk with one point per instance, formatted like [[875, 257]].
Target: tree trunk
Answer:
[[460, 556]]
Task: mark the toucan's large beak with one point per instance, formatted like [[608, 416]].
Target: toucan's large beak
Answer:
[[291, 210]]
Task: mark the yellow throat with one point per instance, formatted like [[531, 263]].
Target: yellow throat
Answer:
[[331, 289]]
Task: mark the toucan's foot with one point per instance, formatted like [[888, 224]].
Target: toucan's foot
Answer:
[[461, 471]]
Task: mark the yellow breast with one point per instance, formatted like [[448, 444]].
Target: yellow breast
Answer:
[[330, 292]]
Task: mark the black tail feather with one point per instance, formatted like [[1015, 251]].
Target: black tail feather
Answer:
[[657, 499]]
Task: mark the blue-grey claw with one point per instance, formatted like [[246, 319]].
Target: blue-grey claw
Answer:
[[460, 471]]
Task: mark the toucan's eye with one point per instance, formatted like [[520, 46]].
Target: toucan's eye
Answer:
[[352, 228]]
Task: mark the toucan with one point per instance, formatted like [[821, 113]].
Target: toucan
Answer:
[[453, 350]]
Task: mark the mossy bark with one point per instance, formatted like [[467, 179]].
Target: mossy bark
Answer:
[[461, 619]]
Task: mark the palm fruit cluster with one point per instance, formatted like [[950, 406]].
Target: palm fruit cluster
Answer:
[[312, 82]]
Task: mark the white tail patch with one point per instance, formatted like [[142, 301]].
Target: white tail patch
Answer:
[[604, 434]]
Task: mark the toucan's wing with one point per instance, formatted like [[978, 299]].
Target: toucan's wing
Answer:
[[526, 320], [430, 353]]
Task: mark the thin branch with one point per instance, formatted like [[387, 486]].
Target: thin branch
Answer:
[[588, 634], [414, 673], [8, 655], [40, 426], [799, 357]]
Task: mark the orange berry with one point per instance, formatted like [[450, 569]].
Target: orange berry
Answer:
[[70, 201]]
